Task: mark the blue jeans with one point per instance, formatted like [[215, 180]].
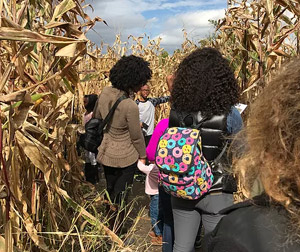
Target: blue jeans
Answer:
[[168, 223], [155, 215]]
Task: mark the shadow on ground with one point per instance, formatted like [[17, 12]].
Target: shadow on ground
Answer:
[[140, 212], [143, 241]]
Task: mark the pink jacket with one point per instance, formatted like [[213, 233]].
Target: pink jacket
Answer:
[[158, 132], [151, 183]]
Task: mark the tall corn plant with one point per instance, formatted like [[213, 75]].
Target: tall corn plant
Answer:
[[257, 36], [95, 69], [42, 43]]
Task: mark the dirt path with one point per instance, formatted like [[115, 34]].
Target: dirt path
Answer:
[[143, 241]]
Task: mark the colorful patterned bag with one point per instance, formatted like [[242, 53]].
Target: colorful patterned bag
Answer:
[[184, 172]]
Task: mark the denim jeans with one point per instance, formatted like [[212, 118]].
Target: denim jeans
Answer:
[[155, 215], [168, 223]]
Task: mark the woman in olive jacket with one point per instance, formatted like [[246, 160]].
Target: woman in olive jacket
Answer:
[[123, 142], [270, 169]]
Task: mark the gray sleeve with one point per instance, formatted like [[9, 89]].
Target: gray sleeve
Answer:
[[159, 100]]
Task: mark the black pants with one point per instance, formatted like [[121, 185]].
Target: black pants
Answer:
[[91, 173], [147, 140], [117, 182]]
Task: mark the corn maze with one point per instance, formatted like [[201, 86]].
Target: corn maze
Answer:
[[47, 65]]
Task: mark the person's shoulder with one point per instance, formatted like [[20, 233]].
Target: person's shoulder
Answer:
[[234, 112], [257, 214], [266, 225], [129, 101], [106, 89], [129, 104], [105, 92], [257, 206], [164, 121]]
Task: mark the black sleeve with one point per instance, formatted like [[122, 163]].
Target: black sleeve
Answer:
[[222, 244], [219, 240]]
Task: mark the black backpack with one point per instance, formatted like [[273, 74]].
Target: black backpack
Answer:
[[93, 136]]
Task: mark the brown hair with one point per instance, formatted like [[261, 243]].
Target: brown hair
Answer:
[[273, 142]]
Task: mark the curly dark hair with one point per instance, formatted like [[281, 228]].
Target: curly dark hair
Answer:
[[92, 99], [204, 82], [130, 73]]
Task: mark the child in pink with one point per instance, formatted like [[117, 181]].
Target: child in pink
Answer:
[[151, 183]]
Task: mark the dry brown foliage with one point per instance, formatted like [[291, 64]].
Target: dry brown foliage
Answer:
[[46, 67]]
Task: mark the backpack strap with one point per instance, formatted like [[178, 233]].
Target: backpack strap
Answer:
[[216, 160], [112, 110]]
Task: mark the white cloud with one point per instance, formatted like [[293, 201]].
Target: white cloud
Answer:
[[195, 3], [196, 25], [122, 16], [148, 5], [126, 17]]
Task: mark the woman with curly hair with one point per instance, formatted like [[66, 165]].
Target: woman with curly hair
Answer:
[[204, 93], [270, 220], [123, 143]]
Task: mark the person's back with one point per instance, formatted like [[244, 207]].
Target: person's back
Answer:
[[203, 96], [122, 140], [269, 168], [252, 226], [90, 166]]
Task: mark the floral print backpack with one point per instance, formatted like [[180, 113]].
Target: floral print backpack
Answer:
[[184, 172]]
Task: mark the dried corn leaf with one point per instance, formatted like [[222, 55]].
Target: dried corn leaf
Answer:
[[33, 154], [69, 51], [13, 97], [8, 33], [32, 232], [8, 237], [62, 8], [2, 244], [90, 218]]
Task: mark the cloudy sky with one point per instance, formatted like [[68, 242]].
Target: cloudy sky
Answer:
[[156, 18]]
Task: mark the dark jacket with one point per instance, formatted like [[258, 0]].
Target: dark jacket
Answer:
[[214, 135], [252, 226]]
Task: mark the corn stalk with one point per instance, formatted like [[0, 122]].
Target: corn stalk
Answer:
[[257, 36], [41, 45]]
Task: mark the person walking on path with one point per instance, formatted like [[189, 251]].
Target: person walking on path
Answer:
[[151, 189], [205, 88], [164, 199], [123, 142]]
